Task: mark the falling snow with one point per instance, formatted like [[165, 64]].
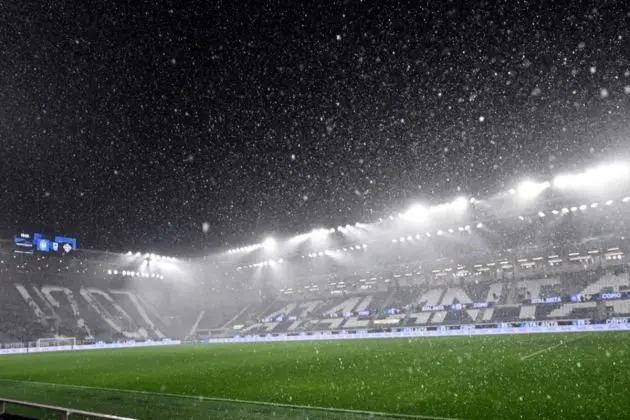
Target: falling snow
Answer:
[[172, 117]]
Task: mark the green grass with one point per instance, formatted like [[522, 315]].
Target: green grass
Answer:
[[475, 378]]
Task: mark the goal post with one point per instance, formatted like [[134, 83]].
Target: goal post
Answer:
[[56, 342]]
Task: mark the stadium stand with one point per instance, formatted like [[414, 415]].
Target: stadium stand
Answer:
[[504, 272], [67, 306]]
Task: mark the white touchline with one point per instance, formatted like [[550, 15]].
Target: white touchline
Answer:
[[536, 353], [375, 414]]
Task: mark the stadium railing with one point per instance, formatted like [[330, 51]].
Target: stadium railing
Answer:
[[64, 413]]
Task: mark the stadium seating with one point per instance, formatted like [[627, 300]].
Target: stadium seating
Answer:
[[38, 304]]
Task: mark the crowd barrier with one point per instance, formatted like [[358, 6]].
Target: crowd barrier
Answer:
[[95, 346]]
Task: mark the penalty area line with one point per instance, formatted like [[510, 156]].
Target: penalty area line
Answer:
[[536, 353], [237, 401]]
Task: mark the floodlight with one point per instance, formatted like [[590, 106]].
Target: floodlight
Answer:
[[364, 246], [479, 225], [541, 214], [530, 189], [609, 202], [460, 203], [409, 238], [594, 205], [625, 199], [555, 212], [109, 272], [574, 208], [319, 233], [594, 177], [394, 241], [416, 213], [565, 210], [583, 207], [269, 244]]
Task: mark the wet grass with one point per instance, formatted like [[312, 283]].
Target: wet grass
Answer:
[[476, 378]]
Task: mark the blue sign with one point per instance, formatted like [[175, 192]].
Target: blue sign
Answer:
[[43, 245], [60, 244]]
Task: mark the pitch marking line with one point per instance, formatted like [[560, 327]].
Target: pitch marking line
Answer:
[[231, 400], [536, 353]]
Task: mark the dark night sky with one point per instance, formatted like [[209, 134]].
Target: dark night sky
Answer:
[[130, 124]]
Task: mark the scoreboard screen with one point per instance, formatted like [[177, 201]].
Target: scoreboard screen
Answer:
[[29, 244]]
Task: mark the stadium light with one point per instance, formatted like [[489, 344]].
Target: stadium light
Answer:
[[319, 233], [594, 177], [530, 189], [460, 204], [269, 244], [609, 202], [626, 199], [541, 214], [416, 213]]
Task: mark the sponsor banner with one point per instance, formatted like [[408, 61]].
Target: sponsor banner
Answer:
[[424, 333], [96, 346]]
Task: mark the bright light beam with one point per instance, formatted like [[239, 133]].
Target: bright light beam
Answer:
[[530, 189]]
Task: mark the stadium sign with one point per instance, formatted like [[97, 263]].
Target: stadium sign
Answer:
[[28, 244]]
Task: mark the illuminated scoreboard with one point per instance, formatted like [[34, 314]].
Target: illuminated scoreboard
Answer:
[[29, 244]]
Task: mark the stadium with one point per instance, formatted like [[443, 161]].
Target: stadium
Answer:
[[515, 305]]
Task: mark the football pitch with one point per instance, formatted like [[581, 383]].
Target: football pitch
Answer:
[[571, 376]]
